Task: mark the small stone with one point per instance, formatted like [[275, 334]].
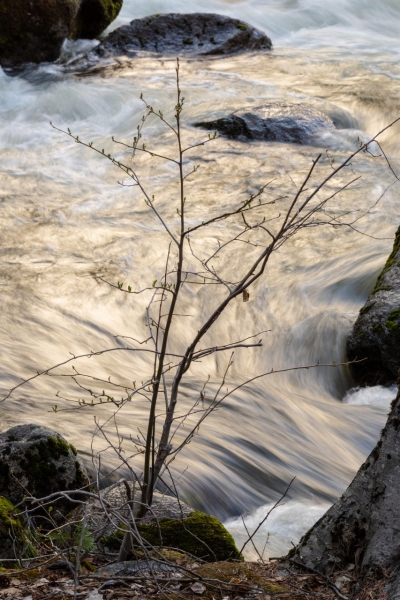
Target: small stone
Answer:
[[112, 583], [342, 581], [198, 588], [95, 596]]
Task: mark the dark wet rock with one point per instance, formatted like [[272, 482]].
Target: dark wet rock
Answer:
[[37, 461], [278, 122], [34, 31], [184, 34], [376, 333], [93, 17]]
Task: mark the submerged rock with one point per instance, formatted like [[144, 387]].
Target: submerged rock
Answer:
[[93, 17], [376, 333], [36, 460], [184, 34], [34, 31], [278, 122]]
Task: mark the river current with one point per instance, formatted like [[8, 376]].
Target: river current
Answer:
[[64, 218]]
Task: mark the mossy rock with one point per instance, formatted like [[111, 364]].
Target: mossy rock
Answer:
[[374, 343], [199, 534], [93, 17], [34, 31], [14, 538], [37, 461]]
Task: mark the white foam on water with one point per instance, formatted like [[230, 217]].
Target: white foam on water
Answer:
[[377, 395], [284, 527]]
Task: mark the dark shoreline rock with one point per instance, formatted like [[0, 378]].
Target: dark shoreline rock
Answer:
[[34, 32], [376, 333], [195, 34], [277, 122], [37, 461]]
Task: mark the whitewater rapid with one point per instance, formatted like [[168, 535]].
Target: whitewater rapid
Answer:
[[64, 218]]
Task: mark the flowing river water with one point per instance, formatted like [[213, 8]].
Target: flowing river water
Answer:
[[64, 218]]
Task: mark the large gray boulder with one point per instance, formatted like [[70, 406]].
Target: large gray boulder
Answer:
[[184, 34], [376, 333], [37, 461], [277, 122]]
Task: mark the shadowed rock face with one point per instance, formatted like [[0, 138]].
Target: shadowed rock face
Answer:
[[34, 31], [184, 34], [376, 333], [278, 122], [93, 17], [38, 461]]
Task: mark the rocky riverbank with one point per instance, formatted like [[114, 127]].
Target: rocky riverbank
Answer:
[[42, 479], [375, 339]]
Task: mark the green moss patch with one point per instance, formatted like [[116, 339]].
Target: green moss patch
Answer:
[[390, 261], [13, 536], [199, 534], [8, 522]]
